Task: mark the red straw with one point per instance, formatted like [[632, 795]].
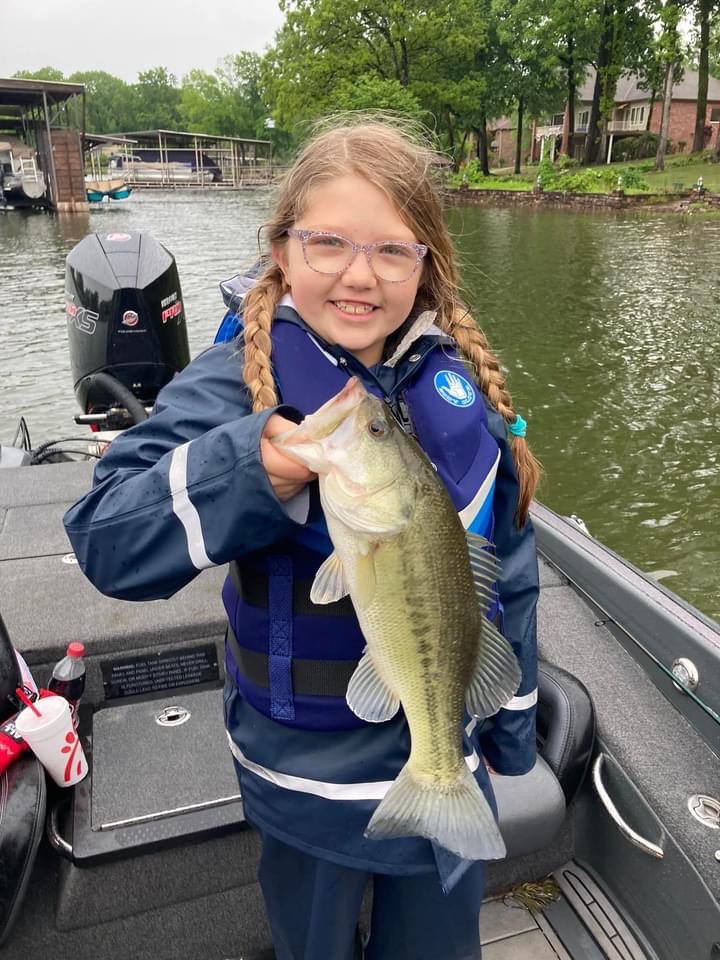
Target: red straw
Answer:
[[27, 701]]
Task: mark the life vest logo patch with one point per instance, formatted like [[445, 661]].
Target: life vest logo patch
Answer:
[[454, 388]]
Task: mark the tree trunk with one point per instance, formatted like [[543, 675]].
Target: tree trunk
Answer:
[[716, 152], [703, 74], [518, 142], [665, 122], [653, 97], [461, 153], [533, 142], [482, 145], [569, 118], [451, 140], [592, 139]]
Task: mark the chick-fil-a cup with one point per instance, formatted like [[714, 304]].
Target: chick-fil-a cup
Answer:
[[53, 739]]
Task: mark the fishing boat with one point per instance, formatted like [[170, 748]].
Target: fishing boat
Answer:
[[613, 838]]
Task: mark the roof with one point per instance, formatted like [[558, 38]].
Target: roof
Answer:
[[15, 92], [92, 140], [184, 135], [629, 91], [504, 123]]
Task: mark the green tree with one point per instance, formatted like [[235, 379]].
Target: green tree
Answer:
[[227, 102], [623, 44], [534, 64], [324, 45], [704, 10], [44, 73], [714, 48], [376, 93], [155, 100], [109, 106], [573, 29], [669, 56]]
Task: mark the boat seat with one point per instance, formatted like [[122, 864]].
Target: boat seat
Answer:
[[532, 807], [22, 803], [566, 726], [9, 675]]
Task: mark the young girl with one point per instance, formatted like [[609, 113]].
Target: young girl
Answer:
[[361, 281]]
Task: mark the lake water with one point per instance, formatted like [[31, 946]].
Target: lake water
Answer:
[[607, 325]]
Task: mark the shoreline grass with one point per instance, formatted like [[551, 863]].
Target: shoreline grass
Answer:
[[681, 172]]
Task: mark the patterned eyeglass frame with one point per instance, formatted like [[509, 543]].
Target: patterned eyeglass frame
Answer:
[[367, 248]]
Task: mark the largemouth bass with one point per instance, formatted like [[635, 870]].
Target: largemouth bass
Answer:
[[421, 598]]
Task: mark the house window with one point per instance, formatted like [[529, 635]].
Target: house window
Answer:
[[558, 119], [637, 115], [715, 115], [583, 118]]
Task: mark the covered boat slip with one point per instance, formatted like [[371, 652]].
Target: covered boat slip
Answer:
[[49, 118], [137, 872]]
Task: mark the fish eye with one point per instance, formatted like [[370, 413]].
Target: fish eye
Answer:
[[377, 428]]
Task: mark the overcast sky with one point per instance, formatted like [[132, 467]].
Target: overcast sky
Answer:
[[127, 36]]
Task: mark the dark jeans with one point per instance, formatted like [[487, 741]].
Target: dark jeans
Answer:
[[313, 907]]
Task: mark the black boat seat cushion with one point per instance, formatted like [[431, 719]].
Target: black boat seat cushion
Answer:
[[22, 818], [531, 808], [566, 726], [22, 802], [9, 675]]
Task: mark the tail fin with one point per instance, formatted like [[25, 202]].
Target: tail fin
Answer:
[[458, 818]]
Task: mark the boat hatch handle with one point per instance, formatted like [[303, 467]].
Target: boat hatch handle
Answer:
[[52, 830], [652, 849], [705, 809], [686, 674]]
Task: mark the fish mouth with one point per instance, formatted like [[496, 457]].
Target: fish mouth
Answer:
[[303, 443]]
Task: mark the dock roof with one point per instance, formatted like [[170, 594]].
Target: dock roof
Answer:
[[15, 92], [184, 134]]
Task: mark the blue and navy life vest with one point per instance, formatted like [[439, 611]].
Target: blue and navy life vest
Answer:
[[291, 659]]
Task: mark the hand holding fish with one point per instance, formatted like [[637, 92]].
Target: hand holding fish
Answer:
[[287, 476]]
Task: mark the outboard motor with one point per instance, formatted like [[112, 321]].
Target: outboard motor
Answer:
[[126, 325]]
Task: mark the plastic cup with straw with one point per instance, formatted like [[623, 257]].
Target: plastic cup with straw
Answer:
[[48, 730]]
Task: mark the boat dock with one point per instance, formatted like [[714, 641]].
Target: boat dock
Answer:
[[41, 129], [169, 159]]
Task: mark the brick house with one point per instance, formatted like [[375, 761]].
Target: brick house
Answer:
[[632, 115]]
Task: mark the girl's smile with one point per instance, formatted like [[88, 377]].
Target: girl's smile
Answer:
[[353, 309]]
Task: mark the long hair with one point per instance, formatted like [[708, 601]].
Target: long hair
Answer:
[[394, 158]]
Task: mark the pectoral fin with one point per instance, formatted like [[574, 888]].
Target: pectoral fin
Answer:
[[496, 676], [365, 578], [368, 696], [329, 583]]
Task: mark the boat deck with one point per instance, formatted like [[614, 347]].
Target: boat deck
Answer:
[[580, 924]]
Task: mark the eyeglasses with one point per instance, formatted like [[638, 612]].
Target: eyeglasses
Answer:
[[328, 253]]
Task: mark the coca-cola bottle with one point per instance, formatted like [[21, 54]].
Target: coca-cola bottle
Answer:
[[68, 677]]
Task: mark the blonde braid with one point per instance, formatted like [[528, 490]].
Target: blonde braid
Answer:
[[258, 310], [474, 347]]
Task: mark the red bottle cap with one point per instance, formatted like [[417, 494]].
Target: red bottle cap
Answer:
[[76, 649]]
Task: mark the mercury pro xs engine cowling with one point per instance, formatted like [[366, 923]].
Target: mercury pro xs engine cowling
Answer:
[[126, 325]]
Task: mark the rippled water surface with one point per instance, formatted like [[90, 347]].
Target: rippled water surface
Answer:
[[608, 327]]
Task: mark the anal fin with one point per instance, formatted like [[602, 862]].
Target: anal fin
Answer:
[[496, 676]]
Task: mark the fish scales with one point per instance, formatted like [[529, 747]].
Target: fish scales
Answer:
[[432, 623]]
